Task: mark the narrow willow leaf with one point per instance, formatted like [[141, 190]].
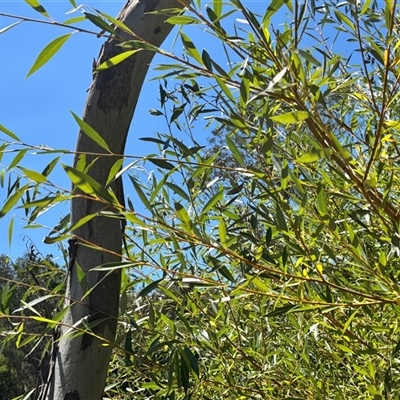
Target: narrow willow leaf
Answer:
[[114, 265], [55, 239], [343, 18], [178, 190], [224, 271], [88, 185], [20, 155], [33, 175], [9, 27], [12, 200], [10, 230], [149, 288], [222, 231], [182, 20], [315, 155], [235, 151], [273, 7], [309, 58], [290, 117], [117, 23], [9, 133], [321, 201], [182, 214], [48, 52], [224, 88], [194, 364], [141, 194], [37, 7], [89, 131], [115, 169], [277, 78], [280, 219], [45, 201], [116, 59], [138, 45], [190, 48], [207, 62], [214, 200], [74, 20], [365, 7], [281, 311], [50, 166], [99, 22]]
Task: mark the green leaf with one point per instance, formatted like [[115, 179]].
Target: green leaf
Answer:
[[224, 88], [33, 175], [290, 117], [10, 230], [37, 7], [214, 200], [9, 133], [309, 57], [116, 59], [182, 20], [89, 131], [343, 18], [321, 200], [273, 7], [115, 169], [182, 214], [141, 194], [149, 288], [99, 22], [12, 200], [315, 155], [48, 52], [190, 48], [117, 23], [281, 311], [161, 163], [222, 231], [178, 190], [232, 147], [20, 155], [88, 185], [207, 62]]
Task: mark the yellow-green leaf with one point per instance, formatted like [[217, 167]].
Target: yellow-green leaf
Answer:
[[9, 133], [48, 52], [12, 200], [116, 59], [37, 7], [89, 131], [88, 185], [315, 155], [33, 175], [290, 117]]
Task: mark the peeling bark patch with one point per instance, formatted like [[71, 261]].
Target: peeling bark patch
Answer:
[[114, 83], [72, 395], [157, 30]]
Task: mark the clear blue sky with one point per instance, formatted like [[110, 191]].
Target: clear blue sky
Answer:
[[37, 108]]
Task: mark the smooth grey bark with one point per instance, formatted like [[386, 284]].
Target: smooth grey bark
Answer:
[[81, 363]]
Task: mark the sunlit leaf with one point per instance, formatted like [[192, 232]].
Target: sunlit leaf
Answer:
[[90, 132], [48, 52]]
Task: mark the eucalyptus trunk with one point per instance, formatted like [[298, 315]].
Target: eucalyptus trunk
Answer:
[[80, 362]]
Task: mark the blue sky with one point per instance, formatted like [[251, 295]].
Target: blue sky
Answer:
[[37, 108]]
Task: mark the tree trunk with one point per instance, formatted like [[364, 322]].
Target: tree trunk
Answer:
[[81, 362]]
